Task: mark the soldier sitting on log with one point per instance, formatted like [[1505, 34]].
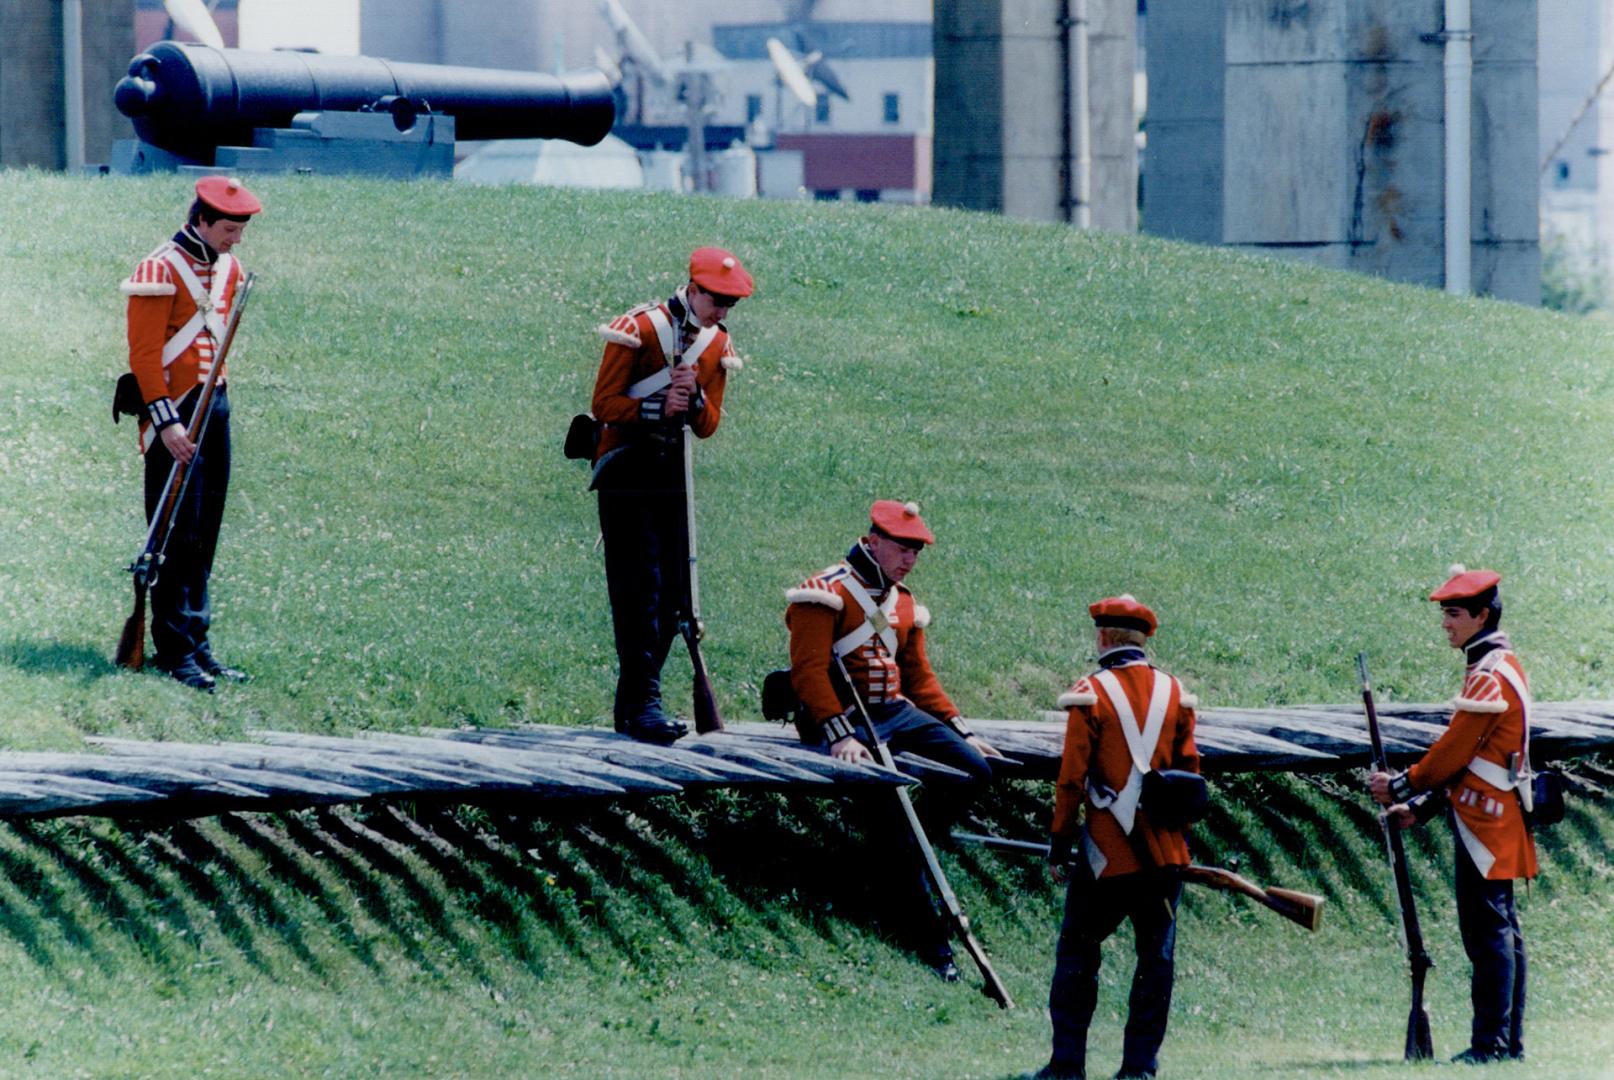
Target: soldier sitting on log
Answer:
[[1127, 723], [857, 618]]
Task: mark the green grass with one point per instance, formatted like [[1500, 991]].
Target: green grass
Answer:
[[1280, 460]]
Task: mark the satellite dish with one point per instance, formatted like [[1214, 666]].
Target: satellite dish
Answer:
[[791, 74], [193, 18], [633, 42]]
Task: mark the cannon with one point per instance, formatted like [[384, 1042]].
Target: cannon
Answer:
[[187, 101]]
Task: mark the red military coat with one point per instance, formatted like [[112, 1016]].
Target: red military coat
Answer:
[[1487, 725], [638, 346], [161, 311], [890, 663], [1097, 767]]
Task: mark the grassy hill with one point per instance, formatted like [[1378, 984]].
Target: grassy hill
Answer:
[[1280, 460]]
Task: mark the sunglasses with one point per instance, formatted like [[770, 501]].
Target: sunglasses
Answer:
[[719, 300]]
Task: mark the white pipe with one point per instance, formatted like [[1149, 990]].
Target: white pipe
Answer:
[[1082, 107], [73, 83], [1459, 44]]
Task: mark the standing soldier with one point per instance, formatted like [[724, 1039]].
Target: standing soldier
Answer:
[[859, 618], [1126, 720], [1473, 769], [180, 298], [664, 367]]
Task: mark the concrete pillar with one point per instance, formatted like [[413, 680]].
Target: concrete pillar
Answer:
[[1000, 108], [33, 129], [1182, 182], [1331, 130]]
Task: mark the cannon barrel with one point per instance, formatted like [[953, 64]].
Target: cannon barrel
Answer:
[[189, 99]]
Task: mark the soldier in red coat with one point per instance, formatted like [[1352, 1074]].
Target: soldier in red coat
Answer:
[[665, 366], [1123, 721], [1475, 771], [180, 297], [860, 612]]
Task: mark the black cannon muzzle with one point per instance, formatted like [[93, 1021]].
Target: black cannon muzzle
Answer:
[[190, 99]]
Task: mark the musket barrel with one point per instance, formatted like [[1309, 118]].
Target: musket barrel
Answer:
[[189, 98]]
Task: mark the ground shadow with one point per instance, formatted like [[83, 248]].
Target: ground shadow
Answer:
[[82, 662]]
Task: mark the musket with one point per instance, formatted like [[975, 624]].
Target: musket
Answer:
[[689, 616], [1420, 1045], [147, 566], [992, 985], [1302, 909]]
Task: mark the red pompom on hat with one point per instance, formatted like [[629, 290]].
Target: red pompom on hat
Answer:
[[1123, 612], [900, 521], [227, 195], [1465, 584], [718, 271]]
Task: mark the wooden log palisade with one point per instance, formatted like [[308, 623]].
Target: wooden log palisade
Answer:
[[287, 770]]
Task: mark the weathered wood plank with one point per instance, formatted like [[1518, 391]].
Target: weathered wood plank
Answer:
[[674, 767], [559, 776], [287, 770]]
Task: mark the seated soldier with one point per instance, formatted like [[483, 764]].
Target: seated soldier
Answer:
[[856, 619]]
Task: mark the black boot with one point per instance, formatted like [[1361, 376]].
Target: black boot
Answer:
[[206, 661], [644, 720], [188, 672]]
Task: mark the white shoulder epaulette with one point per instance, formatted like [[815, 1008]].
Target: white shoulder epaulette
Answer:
[[151, 277], [817, 590], [1071, 698], [808, 594], [624, 329]]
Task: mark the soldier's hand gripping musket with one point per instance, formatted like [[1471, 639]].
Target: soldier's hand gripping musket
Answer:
[[184, 303], [660, 385], [1420, 1044], [862, 679], [147, 565], [690, 626], [1478, 773]]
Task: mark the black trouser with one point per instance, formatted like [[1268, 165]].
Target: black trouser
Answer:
[[1489, 922], [1093, 911], [642, 527], [180, 610], [902, 726]]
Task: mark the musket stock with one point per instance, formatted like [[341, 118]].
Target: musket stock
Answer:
[[1420, 1044], [690, 625], [1302, 909], [131, 651], [992, 985]]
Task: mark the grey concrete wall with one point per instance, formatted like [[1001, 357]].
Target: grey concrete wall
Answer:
[[1182, 185], [1332, 135], [968, 158], [32, 126], [999, 111], [1112, 58]]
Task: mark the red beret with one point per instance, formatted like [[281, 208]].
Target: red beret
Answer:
[[1465, 584], [1123, 612], [900, 521], [227, 195], [715, 270]]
